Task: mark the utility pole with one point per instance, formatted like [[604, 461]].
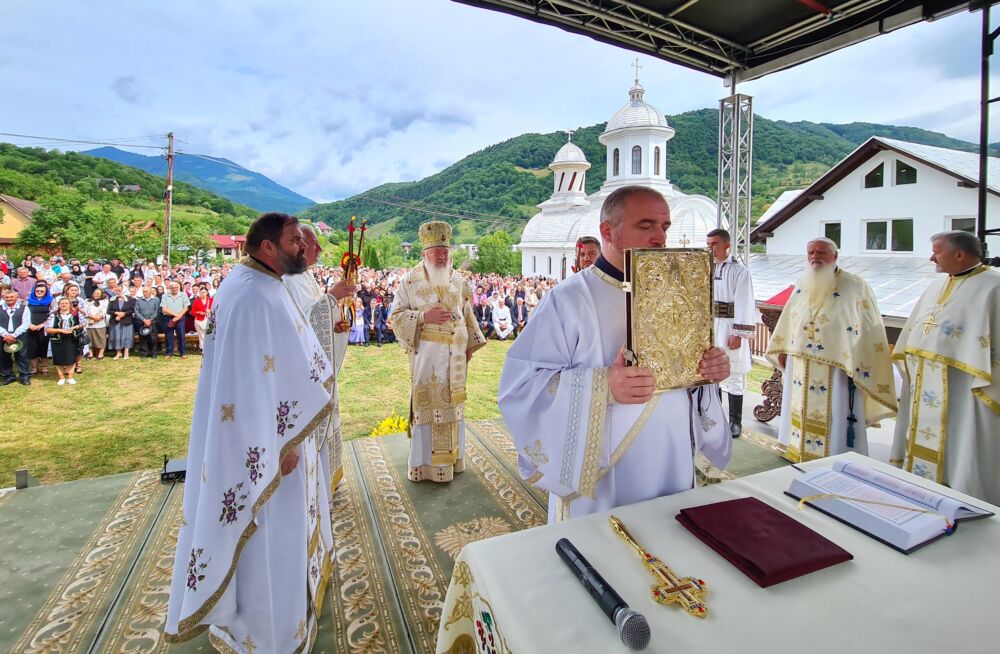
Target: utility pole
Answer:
[[169, 197]]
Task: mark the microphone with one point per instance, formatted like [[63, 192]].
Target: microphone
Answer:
[[632, 626]]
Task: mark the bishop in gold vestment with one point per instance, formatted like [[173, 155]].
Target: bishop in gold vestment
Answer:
[[831, 341], [949, 423], [433, 321]]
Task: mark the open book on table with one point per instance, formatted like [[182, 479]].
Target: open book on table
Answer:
[[898, 513]]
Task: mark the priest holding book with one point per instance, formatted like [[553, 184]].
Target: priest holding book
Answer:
[[589, 429], [949, 421], [831, 343]]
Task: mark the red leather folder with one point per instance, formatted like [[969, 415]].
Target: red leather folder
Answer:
[[767, 545]]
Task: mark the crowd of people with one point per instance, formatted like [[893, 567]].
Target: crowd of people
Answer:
[[68, 310], [502, 303], [63, 311]]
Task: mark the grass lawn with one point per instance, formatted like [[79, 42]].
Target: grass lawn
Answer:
[[125, 415]]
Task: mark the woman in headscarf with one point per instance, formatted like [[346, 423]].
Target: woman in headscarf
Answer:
[[77, 274], [39, 305]]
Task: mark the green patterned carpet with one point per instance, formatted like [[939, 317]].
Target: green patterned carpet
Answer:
[[86, 565]]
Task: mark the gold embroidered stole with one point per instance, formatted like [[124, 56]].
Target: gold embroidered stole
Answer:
[[927, 437], [810, 408]]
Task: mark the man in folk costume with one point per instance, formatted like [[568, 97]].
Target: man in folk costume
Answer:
[[948, 428], [433, 320], [830, 341], [323, 312], [254, 551], [588, 429], [735, 316]]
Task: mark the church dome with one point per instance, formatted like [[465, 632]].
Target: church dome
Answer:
[[569, 153], [637, 113], [692, 217]]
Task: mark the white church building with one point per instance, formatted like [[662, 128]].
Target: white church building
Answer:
[[636, 140]]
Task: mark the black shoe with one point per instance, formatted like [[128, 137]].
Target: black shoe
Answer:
[[26, 382], [735, 415], [7, 381]]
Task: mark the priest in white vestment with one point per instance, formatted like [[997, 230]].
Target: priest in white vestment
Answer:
[[433, 320], [948, 428], [830, 341], [735, 321], [588, 429], [503, 322], [322, 311], [254, 551]]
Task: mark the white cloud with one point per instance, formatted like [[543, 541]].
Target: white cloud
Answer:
[[331, 98]]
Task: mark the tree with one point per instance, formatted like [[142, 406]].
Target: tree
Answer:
[[369, 258], [53, 223], [496, 256]]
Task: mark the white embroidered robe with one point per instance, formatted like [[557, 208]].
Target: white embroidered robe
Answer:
[[590, 453], [254, 550], [323, 313], [948, 428], [732, 284], [842, 338], [438, 370]]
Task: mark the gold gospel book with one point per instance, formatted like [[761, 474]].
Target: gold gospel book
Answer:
[[669, 312]]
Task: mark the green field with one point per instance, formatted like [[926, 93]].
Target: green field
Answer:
[[126, 415]]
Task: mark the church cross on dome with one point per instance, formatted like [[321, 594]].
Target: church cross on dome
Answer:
[[637, 66], [569, 135], [636, 92]]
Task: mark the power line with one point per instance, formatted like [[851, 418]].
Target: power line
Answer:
[[51, 140], [448, 214]]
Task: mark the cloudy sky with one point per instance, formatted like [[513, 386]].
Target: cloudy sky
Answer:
[[331, 97]]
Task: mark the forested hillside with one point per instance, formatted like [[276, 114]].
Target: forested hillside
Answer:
[[498, 187]]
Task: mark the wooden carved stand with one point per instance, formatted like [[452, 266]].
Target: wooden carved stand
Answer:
[[771, 389]]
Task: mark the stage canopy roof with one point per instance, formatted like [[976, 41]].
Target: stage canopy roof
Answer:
[[736, 39]]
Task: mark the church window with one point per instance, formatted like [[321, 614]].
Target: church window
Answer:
[[902, 235], [965, 224], [875, 178], [572, 181], [534, 264], [550, 265], [656, 161], [905, 174], [562, 178], [832, 232], [875, 235], [615, 163], [636, 160], [892, 235]]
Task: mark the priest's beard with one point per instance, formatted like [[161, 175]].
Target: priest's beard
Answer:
[[818, 282], [438, 276], [293, 264]]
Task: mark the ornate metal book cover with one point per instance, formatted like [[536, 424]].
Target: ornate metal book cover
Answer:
[[669, 305]]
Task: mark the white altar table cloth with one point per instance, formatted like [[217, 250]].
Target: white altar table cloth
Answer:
[[942, 598]]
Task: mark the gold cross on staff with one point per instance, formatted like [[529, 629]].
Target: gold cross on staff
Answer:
[[811, 330], [929, 322], [669, 589]]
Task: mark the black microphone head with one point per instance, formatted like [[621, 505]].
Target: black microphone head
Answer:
[[632, 628]]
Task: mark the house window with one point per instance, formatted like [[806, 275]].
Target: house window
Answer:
[[881, 234], [875, 235], [902, 235], [964, 225], [656, 161], [636, 160], [832, 232], [615, 162], [876, 178], [905, 174]]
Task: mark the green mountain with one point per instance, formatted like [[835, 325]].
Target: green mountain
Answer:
[[81, 215], [499, 186]]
